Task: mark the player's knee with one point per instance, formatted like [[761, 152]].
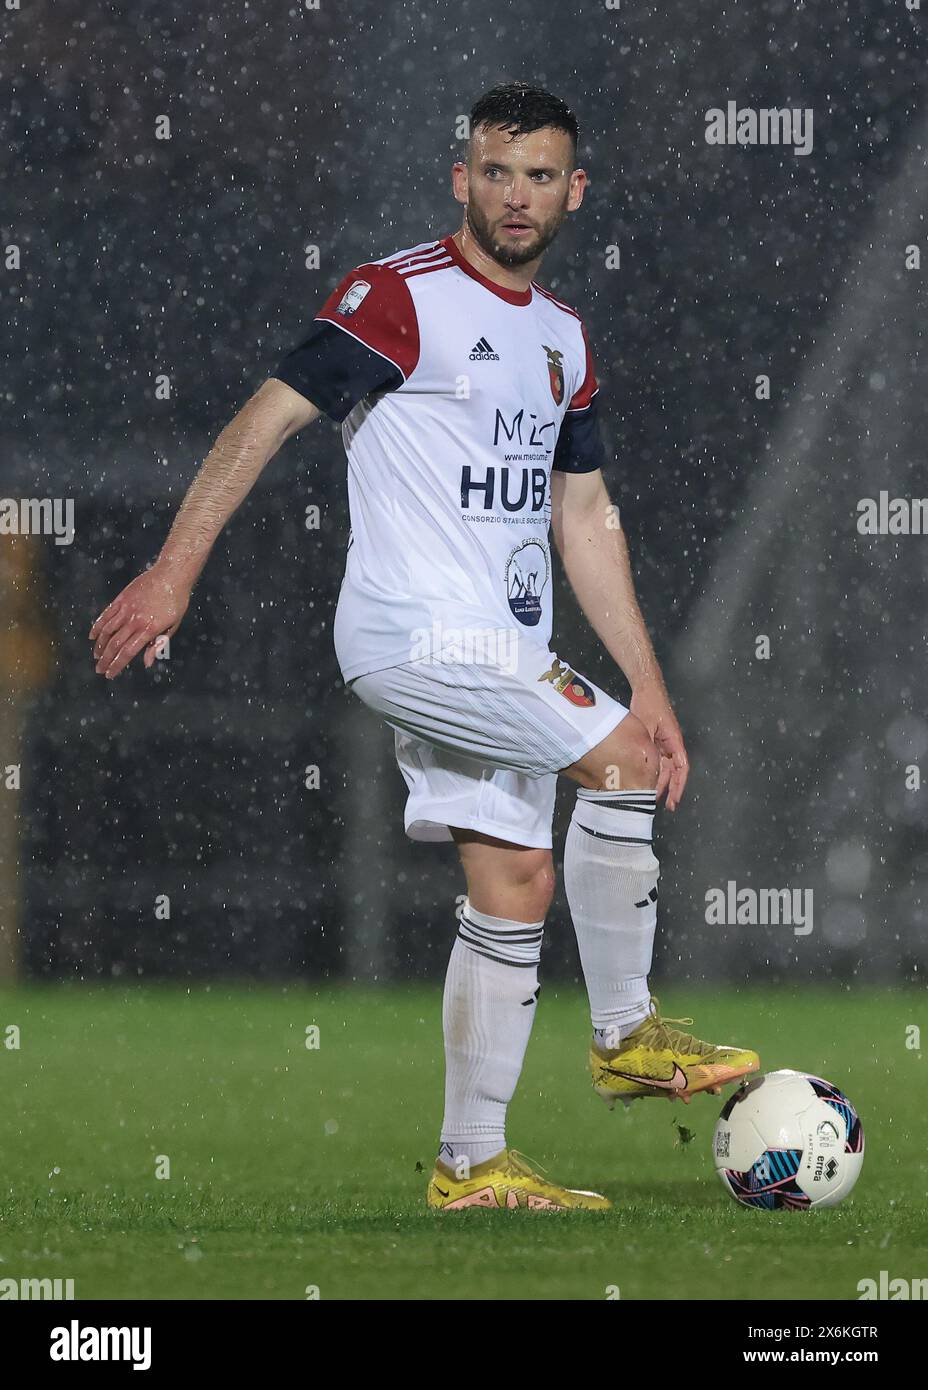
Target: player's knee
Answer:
[[536, 880], [631, 759], [644, 761]]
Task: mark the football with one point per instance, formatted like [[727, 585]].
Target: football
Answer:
[[790, 1141]]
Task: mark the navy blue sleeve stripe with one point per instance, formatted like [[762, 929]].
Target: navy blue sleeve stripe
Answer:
[[579, 445], [335, 370]]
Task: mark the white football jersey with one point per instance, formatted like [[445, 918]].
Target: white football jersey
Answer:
[[456, 398]]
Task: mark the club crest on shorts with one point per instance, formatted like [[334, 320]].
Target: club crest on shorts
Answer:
[[526, 576], [353, 298], [555, 373], [569, 684]]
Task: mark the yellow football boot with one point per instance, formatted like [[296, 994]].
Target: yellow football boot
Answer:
[[656, 1060], [506, 1181]]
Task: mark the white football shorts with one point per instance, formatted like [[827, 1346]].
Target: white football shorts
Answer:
[[480, 744]]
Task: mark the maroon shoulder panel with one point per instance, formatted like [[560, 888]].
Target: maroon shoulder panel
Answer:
[[373, 303]]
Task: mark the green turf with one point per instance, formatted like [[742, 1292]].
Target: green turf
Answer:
[[293, 1167]]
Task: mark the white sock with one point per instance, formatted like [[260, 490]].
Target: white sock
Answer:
[[489, 1008], [610, 875]]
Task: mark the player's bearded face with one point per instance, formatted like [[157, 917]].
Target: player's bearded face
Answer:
[[488, 231], [502, 196]]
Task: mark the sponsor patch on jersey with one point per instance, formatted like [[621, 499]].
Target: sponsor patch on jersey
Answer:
[[555, 373], [353, 298], [526, 577], [573, 687]]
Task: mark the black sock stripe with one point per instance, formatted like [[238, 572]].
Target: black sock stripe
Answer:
[[533, 947], [500, 936], [492, 936], [617, 839], [603, 799], [502, 931], [519, 964], [644, 807], [519, 948]]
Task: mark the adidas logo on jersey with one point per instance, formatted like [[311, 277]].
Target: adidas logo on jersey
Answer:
[[482, 352]]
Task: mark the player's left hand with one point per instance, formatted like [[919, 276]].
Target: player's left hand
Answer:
[[651, 704]]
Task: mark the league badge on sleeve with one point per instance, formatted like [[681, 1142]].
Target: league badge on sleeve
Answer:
[[353, 298]]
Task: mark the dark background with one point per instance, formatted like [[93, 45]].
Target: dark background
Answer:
[[337, 128]]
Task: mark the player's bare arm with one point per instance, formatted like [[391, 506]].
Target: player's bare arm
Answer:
[[153, 605], [594, 551]]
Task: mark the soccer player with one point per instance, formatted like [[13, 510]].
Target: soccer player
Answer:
[[468, 398]]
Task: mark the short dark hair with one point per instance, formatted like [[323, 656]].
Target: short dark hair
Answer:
[[524, 108]]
